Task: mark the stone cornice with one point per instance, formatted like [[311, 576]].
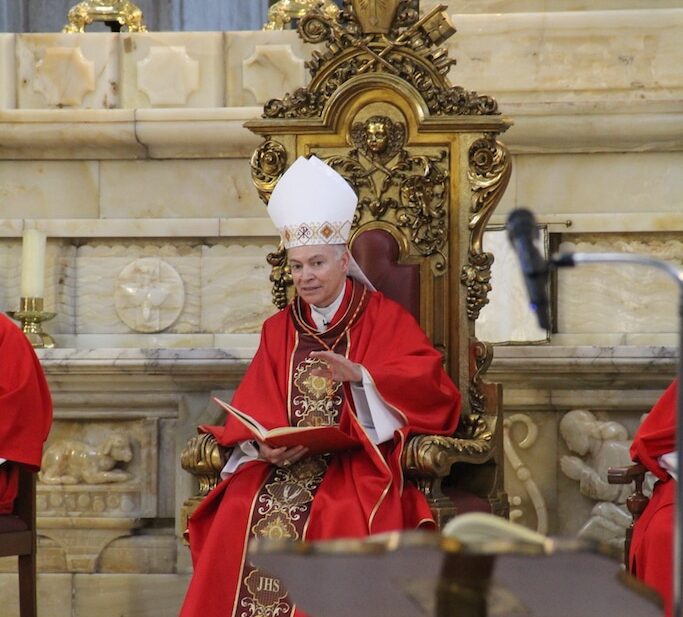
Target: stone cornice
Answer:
[[219, 133]]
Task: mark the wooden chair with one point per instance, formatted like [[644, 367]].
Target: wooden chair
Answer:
[[18, 537], [423, 157], [636, 502]]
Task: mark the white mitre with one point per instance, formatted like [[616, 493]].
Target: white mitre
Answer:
[[311, 205]]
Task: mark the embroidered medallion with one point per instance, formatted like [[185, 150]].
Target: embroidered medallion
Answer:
[[316, 399]]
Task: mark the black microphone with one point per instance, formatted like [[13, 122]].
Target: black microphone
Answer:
[[522, 232]]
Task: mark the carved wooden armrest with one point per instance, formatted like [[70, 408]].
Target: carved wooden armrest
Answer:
[[432, 456], [427, 460], [637, 501], [204, 458]]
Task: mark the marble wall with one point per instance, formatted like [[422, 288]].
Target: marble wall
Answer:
[[156, 255]]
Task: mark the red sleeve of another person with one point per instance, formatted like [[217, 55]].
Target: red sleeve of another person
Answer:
[[651, 554], [25, 407]]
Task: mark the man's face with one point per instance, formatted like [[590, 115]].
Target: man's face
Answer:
[[318, 272]]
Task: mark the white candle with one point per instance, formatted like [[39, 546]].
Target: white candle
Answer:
[[33, 264]]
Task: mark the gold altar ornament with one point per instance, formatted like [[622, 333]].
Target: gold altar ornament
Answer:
[[31, 315], [284, 12], [123, 12]]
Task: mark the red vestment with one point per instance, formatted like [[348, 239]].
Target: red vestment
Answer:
[[651, 554], [362, 491], [25, 409]]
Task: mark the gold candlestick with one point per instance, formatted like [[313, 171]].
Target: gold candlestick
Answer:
[[31, 315]]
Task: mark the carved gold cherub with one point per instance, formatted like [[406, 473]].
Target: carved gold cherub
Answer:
[[379, 138]]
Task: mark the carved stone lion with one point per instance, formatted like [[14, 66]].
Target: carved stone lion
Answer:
[[76, 462]]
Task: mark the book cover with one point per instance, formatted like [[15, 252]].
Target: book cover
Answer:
[[318, 439]]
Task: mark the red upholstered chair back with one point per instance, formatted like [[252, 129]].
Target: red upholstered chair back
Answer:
[[377, 253]]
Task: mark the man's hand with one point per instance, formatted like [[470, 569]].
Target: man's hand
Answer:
[[339, 368], [282, 457]]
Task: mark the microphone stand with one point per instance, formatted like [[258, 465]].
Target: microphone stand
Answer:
[[572, 259]]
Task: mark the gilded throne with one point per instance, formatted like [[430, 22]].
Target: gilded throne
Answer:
[[423, 158]]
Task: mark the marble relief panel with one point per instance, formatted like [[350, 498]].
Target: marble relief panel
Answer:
[[556, 471], [138, 287], [264, 65], [236, 290], [205, 188], [530, 446], [171, 69], [49, 189], [590, 441], [99, 469], [67, 70], [619, 298]]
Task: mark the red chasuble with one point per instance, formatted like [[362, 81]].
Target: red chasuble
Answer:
[[349, 494], [651, 555], [25, 409]]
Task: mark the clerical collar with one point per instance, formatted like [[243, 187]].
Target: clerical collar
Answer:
[[323, 315]]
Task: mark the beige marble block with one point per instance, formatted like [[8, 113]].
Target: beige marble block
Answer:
[[507, 318], [53, 590], [10, 274], [594, 183], [49, 189], [172, 69], [67, 70], [132, 595], [60, 286], [178, 188], [236, 291], [619, 298], [192, 133], [79, 134], [99, 267], [8, 89], [264, 65], [626, 55]]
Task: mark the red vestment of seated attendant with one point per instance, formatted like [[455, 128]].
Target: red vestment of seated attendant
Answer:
[[348, 494], [651, 555], [25, 409]]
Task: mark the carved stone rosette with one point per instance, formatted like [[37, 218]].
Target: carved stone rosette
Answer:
[[489, 173]]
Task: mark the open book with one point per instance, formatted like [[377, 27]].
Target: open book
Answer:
[[318, 439]]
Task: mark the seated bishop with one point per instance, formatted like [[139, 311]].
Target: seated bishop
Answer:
[[340, 354]]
